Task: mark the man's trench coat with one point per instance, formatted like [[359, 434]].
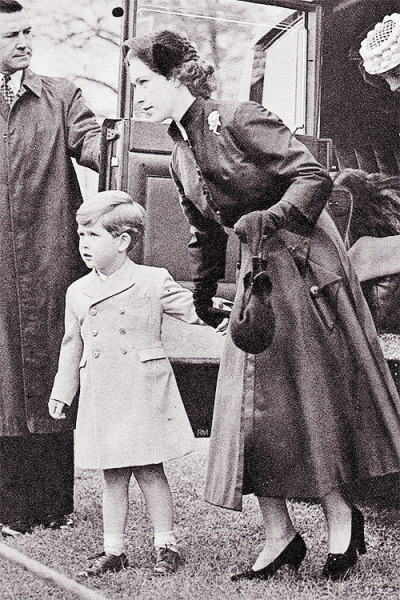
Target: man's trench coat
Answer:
[[39, 193]]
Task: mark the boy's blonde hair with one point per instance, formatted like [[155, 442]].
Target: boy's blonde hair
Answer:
[[116, 212]]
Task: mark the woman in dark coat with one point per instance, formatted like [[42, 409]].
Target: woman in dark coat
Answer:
[[316, 409]]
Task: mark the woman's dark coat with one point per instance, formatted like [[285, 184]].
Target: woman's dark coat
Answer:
[[47, 125], [318, 408]]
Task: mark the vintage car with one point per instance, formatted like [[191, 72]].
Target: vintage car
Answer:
[[300, 59]]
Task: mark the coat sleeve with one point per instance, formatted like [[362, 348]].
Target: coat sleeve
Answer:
[[83, 132], [306, 184], [177, 301], [207, 245], [66, 381]]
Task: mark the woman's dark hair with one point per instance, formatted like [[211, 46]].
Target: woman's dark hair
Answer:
[[10, 6], [174, 57], [376, 202]]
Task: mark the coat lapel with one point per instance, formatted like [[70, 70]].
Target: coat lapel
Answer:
[[120, 281], [195, 188], [4, 108]]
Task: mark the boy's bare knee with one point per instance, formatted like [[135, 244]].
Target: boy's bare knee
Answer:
[[120, 475], [148, 475]]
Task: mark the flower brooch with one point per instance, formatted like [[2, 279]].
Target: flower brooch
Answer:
[[214, 122]]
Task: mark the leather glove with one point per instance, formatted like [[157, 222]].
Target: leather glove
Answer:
[[252, 227], [202, 298], [212, 316]]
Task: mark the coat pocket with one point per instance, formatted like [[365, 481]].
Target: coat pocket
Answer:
[[151, 354]]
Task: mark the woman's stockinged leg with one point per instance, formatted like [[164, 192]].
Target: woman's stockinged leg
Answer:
[[115, 508], [279, 530], [338, 517], [157, 493], [283, 546]]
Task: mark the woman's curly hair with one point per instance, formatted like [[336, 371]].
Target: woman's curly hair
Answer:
[[376, 202], [174, 57]]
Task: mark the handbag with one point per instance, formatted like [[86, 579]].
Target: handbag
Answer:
[[252, 321]]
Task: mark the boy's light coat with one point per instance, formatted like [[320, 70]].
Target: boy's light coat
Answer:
[[130, 410]]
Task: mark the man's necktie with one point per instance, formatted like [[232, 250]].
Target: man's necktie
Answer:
[[6, 90]]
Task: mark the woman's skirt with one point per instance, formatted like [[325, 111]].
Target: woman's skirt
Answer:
[[318, 409]]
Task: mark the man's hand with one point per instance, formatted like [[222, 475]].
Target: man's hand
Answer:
[[56, 409]]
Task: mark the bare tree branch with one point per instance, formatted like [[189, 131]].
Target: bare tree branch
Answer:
[[98, 81]]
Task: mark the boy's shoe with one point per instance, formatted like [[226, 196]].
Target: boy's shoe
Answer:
[[103, 563], [167, 561]]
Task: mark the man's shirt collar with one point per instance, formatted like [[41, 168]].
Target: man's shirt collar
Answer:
[[15, 80]]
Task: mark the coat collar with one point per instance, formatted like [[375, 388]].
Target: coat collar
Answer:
[[194, 118], [32, 82], [118, 282]]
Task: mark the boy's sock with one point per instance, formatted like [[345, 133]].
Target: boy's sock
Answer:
[[162, 539], [114, 543]]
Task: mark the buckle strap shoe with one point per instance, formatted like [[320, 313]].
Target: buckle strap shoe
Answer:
[[337, 565], [292, 555], [167, 561], [104, 562]]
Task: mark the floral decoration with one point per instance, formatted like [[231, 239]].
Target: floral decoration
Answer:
[[214, 122]]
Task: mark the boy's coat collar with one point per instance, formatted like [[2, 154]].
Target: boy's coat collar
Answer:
[[118, 282]]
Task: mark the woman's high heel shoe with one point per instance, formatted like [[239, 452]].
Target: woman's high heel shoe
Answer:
[[292, 555], [338, 565]]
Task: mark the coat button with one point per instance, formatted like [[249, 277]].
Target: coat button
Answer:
[[124, 350], [93, 311], [122, 331], [121, 311], [314, 290], [95, 332], [96, 354]]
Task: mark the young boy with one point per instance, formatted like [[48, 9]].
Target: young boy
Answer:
[[130, 416]]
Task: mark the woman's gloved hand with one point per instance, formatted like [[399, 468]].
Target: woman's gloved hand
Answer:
[[211, 310], [212, 316], [252, 227]]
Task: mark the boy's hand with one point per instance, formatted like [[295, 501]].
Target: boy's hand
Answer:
[[222, 327], [56, 408], [223, 304]]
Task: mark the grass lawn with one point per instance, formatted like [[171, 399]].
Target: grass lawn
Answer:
[[212, 540]]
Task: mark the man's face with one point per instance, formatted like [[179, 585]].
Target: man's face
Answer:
[[392, 78], [15, 41]]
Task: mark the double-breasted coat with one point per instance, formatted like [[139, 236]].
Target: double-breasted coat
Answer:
[[47, 125], [130, 411], [318, 408]]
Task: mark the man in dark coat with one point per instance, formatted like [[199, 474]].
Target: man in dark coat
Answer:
[[44, 122]]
